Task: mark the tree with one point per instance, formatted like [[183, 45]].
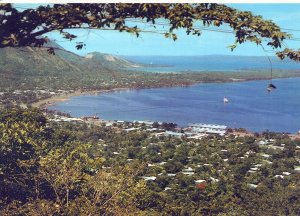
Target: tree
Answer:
[[42, 174], [28, 27], [23, 139], [173, 166], [155, 125]]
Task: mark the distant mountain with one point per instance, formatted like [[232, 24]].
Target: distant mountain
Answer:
[[213, 63], [29, 67], [109, 61]]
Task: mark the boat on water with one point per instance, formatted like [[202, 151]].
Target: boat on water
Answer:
[[271, 87], [225, 100]]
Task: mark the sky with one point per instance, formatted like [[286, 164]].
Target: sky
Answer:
[[287, 16]]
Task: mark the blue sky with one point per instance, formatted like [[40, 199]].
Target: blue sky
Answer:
[[287, 16]]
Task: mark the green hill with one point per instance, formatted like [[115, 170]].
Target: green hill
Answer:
[[28, 67], [34, 68]]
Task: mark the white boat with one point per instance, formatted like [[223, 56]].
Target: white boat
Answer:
[[225, 100]]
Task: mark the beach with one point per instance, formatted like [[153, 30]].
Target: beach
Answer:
[[44, 103]]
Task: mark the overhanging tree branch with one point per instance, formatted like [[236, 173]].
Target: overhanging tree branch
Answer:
[[21, 28]]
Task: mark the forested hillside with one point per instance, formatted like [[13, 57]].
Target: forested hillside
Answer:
[[49, 168], [30, 74], [28, 67]]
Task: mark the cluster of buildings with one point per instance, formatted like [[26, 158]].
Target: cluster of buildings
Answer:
[[197, 131], [208, 128], [193, 131]]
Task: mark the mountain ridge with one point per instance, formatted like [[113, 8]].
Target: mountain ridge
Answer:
[[18, 66]]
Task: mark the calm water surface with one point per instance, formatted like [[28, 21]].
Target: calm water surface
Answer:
[[210, 63], [250, 106]]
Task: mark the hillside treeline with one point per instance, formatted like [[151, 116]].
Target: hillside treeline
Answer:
[[49, 168]]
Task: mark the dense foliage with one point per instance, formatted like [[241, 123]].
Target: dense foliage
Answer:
[[49, 168], [28, 27]]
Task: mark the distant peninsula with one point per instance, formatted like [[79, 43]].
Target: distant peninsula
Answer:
[[29, 75]]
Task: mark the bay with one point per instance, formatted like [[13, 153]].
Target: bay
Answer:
[[211, 63], [249, 107]]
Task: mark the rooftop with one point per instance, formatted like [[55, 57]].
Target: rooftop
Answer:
[[213, 126]]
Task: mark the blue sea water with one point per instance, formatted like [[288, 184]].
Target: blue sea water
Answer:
[[250, 106], [209, 63]]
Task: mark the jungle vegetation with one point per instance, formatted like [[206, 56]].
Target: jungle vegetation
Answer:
[[49, 168]]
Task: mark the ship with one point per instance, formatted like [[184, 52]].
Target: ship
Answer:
[[225, 100]]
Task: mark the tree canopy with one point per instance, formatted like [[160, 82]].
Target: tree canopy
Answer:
[[74, 168], [28, 27]]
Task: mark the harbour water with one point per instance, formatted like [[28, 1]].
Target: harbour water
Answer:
[[212, 63], [249, 105]]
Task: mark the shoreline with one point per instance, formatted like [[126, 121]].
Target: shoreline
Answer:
[[44, 103]]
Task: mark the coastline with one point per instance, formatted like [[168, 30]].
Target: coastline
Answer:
[[44, 103], [63, 97]]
